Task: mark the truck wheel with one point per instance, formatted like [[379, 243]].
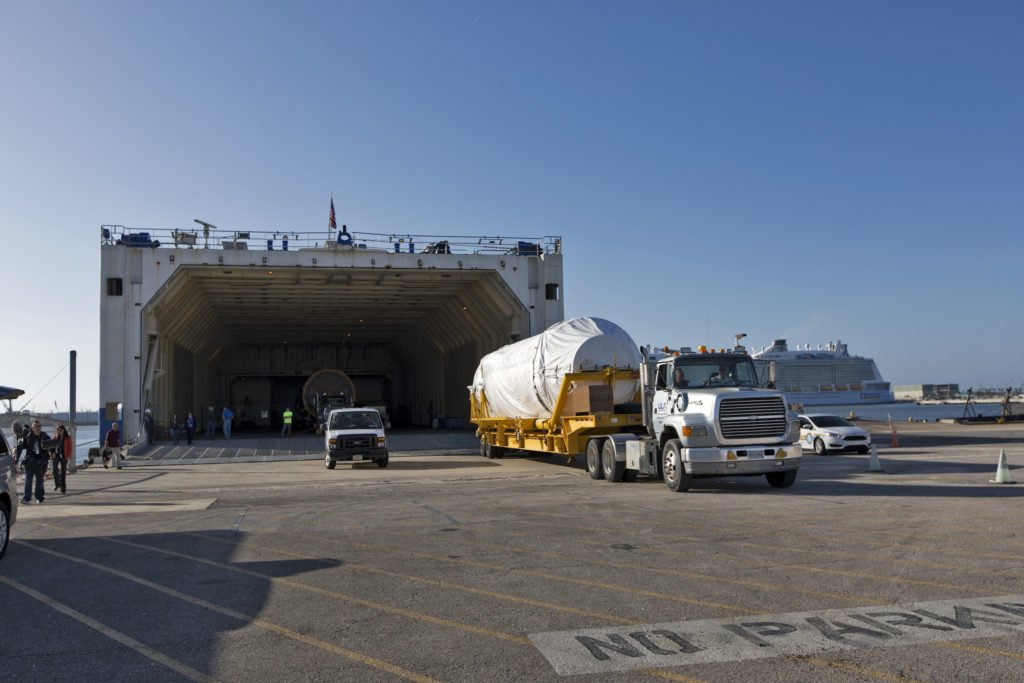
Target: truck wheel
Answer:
[[328, 463], [781, 480], [819, 447], [383, 462], [611, 468], [594, 459], [5, 529], [672, 467]]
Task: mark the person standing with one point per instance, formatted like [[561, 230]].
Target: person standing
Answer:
[[175, 428], [149, 425], [36, 446], [226, 415], [190, 428], [286, 430], [211, 423], [112, 446], [62, 452]]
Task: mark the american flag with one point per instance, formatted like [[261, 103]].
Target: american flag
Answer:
[[332, 223]]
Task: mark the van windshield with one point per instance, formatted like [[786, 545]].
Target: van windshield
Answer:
[[363, 419]]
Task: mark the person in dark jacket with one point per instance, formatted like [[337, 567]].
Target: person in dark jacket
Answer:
[[175, 428], [190, 428], [112, 446], [37, 453], [149, 425], [62, 452]]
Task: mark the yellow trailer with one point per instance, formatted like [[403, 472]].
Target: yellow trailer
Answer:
[[560, 434]]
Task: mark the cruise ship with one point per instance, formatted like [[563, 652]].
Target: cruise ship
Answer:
[[822, 376]]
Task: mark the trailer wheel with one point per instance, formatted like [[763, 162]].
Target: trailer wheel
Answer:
[[672, 467], [613, 469], [498, 452], [485, 447], [781, 480], [594, 459]]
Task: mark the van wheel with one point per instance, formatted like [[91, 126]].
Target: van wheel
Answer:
[[594, 459], [383, 462], [672, 467], [819, 447], [612, 468], [5, 529], [328, 463], [781, 480]]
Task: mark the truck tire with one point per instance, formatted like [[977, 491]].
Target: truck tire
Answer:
[[672, 467], [612, 468], [328, 463], [383, 462], [594, 459], [781, 480], [819, 447]]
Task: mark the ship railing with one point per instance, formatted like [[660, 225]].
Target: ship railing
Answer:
[[278, 240]]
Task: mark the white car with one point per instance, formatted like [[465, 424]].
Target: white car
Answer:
[[8, 493], [354, 434], [826, 433]]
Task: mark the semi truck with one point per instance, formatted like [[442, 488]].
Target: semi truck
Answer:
[[696, 414]]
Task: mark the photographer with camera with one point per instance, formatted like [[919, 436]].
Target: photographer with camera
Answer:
[[36, 445]]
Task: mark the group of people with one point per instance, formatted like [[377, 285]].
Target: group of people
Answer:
[[39, 450], [189, 425]]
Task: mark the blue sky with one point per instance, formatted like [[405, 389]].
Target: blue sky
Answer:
[[810, 170]]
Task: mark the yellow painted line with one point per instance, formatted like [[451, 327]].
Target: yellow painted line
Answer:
[[244, 618], [433, 582], [981, 650], [525, 572], [129, 642], [851, 668]]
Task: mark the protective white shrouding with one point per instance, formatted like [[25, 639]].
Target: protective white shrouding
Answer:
[[523, 379]]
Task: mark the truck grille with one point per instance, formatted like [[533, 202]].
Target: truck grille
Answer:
[[356, 441], [752, 418]]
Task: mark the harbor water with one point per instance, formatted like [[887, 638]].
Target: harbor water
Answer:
[[87, 436], [902, 411]]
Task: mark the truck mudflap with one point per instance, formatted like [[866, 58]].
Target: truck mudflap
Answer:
[[747, 460]]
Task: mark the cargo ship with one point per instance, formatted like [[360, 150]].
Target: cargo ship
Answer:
[[822, 376]]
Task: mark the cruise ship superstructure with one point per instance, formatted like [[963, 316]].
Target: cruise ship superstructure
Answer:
[[821, 376]]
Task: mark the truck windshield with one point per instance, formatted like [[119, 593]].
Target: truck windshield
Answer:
[[714, 372], [368, 419]]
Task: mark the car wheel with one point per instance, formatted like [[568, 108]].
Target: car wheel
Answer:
[[672, 467], [819, 447], [612, 468], [594, 459], [781, 480], [328, 463], [383, 462], [5, 529]]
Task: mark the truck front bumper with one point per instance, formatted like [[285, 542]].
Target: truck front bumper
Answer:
[[743, 460], [343, 454]]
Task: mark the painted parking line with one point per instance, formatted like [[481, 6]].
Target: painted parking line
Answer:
[[129, 642], [625, 648], [244, 618]]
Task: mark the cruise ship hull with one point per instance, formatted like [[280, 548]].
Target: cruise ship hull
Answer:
[[823, 376]]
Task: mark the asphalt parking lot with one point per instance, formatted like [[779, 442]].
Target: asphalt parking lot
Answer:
[[451, 567]]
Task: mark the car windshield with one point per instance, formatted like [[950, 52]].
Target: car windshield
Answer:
[[367, 419], [829, 421], [714, 372]]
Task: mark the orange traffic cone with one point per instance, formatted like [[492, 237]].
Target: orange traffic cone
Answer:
[[895, 439]]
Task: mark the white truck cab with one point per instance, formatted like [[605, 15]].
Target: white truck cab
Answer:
[[706, 416]]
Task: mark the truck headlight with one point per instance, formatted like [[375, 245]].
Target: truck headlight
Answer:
[[333, 442], [380, 442], [695, 430]]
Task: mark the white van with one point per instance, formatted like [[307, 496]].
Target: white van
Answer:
[[355, 434]]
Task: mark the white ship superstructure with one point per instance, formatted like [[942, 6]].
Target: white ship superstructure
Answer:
[[822, 376]]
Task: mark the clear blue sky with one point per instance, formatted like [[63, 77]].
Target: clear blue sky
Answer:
[[811, 170]]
